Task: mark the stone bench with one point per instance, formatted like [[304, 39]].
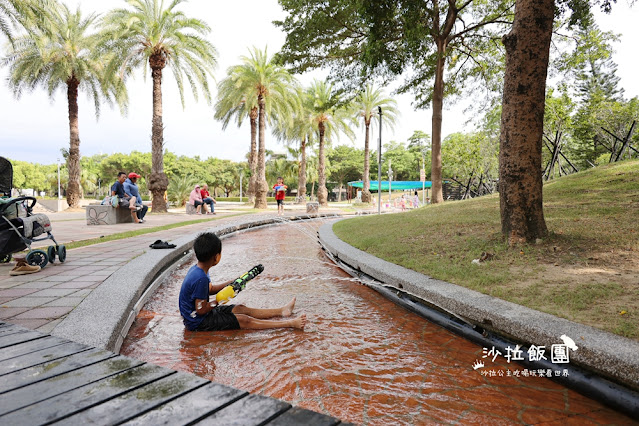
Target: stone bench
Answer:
[[190, 209], [107, 215], [312, 207]]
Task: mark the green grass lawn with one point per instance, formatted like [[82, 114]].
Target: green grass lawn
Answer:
[[586, 270]]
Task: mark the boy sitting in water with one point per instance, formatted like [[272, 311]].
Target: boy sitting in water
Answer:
[[199, 314]]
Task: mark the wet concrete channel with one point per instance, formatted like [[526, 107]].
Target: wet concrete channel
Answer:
[[361, 358]]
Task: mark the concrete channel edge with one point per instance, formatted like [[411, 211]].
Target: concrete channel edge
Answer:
[[611, 356]]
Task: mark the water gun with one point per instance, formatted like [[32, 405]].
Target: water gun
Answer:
[[231, 290]]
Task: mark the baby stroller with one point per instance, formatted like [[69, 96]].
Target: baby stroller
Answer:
[[19, 227]]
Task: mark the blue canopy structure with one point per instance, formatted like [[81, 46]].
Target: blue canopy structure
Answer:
[[395, 185]]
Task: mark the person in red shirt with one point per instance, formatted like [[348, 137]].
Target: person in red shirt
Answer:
[[207, 199], [280, 193]]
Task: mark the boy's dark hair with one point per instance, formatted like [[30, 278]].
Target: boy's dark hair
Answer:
[[280, 177], [121, 173], [206, 246]]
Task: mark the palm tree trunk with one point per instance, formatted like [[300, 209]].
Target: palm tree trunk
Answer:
[[261, 187], [522, 121], [73, 160], [158, 182], [322, 192], [366, 185], [253, 156], [301, 177]]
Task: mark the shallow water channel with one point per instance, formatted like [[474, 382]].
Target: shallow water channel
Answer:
[[361, 358]]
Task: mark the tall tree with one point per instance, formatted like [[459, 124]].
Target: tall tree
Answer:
[[300, 130], [366, 105], [237, 100], [64, 55], [331, 117], [150, 33], [366, 38], [273, 88], [522, 120], [592, 72]]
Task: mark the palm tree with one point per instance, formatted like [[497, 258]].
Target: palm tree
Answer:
[[180, 188], [273, 87], [330, 118], [235, 100], [64, 56], [366, 106], [161, 36], [300, 130], [22, 12], [312, 163]]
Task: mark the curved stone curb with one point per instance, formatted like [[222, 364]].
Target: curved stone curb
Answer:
[[607, 354], [103, 318]]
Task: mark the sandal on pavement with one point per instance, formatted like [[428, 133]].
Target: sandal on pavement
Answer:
[[159, 244]]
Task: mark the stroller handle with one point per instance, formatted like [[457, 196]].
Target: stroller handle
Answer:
[[6, 205]]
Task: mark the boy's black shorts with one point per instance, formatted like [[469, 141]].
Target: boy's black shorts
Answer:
[[220, 318], [280, 202]]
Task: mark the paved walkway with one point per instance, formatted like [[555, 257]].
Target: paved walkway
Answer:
[[41, 301]]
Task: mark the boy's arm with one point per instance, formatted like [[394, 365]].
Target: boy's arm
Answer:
[[214, 288], [202, 307]]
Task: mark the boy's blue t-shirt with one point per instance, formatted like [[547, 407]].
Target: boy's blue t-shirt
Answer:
[[194, 286]]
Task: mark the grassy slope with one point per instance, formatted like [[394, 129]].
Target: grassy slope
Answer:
[[586, 270]]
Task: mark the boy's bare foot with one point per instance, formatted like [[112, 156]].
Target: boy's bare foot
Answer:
[[287, 310], [299, 322]]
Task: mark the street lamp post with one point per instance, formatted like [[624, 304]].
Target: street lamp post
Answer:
[[390, 182], [423, 178], [379, 164], [59, 194]]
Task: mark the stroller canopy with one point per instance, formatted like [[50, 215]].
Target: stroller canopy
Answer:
[[6, 176]]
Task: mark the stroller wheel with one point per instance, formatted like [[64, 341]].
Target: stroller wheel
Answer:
[[37, 257], [5, 258], [51, 253], [62, 253]]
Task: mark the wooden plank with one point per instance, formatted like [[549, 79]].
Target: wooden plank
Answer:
[[300, 416], [5, 331], [252, 410], [40, 391], [139, 401], [68, 403], [16, 338], [30, 346], [45, 371], [191, 406], [40, 357]]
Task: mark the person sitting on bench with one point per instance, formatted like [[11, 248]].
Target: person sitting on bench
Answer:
[[195, 199], [207, 199], [131, 187], [124, 199]]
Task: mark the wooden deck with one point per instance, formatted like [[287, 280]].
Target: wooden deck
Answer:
[[45, 379]]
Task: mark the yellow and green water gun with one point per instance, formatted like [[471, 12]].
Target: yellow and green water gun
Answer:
[[231, 290]]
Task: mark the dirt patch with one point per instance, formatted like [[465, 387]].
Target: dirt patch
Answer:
[[603, 292]]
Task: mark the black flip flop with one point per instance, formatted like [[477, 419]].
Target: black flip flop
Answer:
[[162, 245]]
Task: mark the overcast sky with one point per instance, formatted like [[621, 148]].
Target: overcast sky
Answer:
[[35, 128]]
